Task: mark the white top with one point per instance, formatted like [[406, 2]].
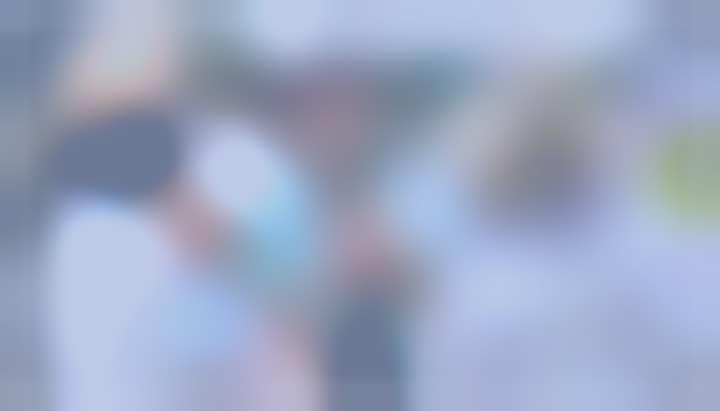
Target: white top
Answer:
[[106, 262]]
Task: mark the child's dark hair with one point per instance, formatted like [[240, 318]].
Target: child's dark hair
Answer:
[[127, 156]]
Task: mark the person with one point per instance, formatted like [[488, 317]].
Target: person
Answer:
[[503, 210], [127, 232], [273, 250], [367, 352]]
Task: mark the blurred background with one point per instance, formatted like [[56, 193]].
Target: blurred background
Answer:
[[351, 205]]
